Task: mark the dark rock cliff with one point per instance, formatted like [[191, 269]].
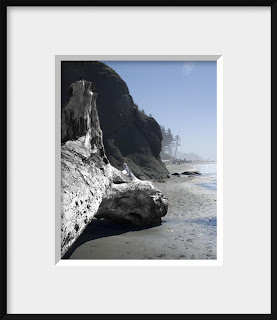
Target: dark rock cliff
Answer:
[[128, 135]]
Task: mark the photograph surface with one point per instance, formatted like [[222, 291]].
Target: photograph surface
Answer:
[[139, 160]]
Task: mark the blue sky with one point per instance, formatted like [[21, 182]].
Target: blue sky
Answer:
[[180, 95]]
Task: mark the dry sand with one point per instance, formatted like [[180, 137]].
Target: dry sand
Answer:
[[188, 231]]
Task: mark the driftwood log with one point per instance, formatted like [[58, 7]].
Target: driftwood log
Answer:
[[91, 186]]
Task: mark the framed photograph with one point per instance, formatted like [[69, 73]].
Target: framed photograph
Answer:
[[138, 160], [143, 211]]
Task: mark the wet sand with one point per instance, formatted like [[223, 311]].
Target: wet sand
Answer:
[[188, 231]]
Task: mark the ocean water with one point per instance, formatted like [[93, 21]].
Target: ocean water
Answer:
[[209, 173], [207, 169]]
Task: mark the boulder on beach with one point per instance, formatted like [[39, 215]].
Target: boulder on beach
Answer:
[[175, 174], [91, 186], [191, 173], [134, 203]]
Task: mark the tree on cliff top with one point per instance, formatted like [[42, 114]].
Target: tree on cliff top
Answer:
[[177, 143]]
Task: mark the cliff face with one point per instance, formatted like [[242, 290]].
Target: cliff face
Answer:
[[128, 135], [91, 186]]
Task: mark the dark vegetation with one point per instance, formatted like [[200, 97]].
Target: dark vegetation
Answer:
[[170, 144]]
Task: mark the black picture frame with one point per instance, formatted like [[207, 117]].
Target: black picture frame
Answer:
[[3, 168]]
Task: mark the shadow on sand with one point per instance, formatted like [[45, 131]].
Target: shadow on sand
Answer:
[[99, 229]]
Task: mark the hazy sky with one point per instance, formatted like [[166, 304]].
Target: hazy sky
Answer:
[[180, 95]]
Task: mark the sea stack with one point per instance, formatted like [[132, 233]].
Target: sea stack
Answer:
[[129, 135]]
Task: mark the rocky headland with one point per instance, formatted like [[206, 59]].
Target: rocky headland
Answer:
[[128, 134], [91, 186]]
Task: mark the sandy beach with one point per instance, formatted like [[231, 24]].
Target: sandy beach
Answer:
[[188, 231]]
